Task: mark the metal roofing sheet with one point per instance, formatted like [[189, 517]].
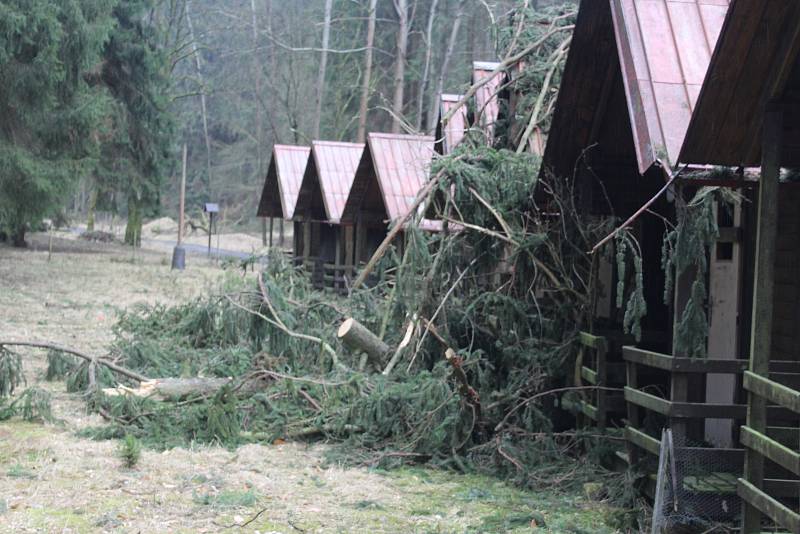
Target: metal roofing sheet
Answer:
[[486, 100], [291, 164], [400, 164], [284, 175], [454, 131], [336, 165], [755, 62], [664, 48]]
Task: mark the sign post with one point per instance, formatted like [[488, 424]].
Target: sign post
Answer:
[[210, 208]]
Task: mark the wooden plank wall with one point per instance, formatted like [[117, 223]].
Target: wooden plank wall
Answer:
[[786, 311]]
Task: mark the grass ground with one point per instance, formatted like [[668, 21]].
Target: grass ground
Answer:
[[53, 481]]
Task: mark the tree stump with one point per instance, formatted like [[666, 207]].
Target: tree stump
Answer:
[[357, 337]]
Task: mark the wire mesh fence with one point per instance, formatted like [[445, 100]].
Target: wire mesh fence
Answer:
[[695, 487]]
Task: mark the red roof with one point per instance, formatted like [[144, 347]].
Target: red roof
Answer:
[[285, 173], [401, 166], [664, 47], [454, 131], [333, 166], [648, 57], [486, 101], [755, 62]]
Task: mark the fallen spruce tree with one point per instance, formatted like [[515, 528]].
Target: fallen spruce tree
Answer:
[[468, 336]]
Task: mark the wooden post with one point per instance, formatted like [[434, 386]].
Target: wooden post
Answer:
[[761, 333], [349, 249], [280, 235], [306, 239], [679, 382], [182, 208], [632, 379], [263, 231], [271, 222], [601, 368], [361, 231], [337, 269]]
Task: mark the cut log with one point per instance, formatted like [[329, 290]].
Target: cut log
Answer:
[[172, 388], [357, 337]]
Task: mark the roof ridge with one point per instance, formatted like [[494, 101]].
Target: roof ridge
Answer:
[[337, 143], [291, 147], [401, 136]]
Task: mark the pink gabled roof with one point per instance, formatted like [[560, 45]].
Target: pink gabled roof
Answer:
[[336, 167], [454, 131], [648, 57], [486, 100], [400, 164], [291, 164], [282, 184], [664, 47], [756, 63]]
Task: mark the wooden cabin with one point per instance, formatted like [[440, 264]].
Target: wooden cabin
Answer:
[[450, 135], [746, 116], [282, 184], [629, 87], [487, 98], [392, 170], [323, 193], [665, 91]]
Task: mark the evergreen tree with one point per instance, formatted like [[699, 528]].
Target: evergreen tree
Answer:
[[48, 112], [136, 149]]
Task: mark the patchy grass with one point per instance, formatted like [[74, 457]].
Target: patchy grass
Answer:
[[227, 499], [51, 480]]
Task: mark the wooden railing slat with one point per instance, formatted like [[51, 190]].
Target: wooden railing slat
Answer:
[[772, 391], [769, 506], [778, 453]]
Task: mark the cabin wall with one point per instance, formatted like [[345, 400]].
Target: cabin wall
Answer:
[[786, 306]]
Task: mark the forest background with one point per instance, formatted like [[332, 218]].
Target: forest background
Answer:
[[99, 96]]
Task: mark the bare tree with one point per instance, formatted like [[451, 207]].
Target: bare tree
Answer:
[[423, 82], [365, 83], [326, 33], [401, 7], [433, 116], [203, 107], [257, 84]]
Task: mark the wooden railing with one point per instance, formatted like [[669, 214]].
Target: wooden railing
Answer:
[[329, 276], [679, 413], [595, 369], [778, 444]]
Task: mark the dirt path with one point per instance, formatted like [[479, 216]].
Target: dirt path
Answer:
[[53, 481]]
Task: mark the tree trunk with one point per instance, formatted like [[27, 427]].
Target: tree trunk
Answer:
[[401, 6], [433, 117], [257, 99], [323, 65], [133, 230], [203, 108], [365, 83], [423, 82], [172, 388], [18, 236], [91, 211], [357, 337]]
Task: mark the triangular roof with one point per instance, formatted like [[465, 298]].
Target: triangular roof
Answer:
[[661, 49], [330, 172], [400, 164], [448, 137], [487, 103], [285, 172], [755, 62]]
